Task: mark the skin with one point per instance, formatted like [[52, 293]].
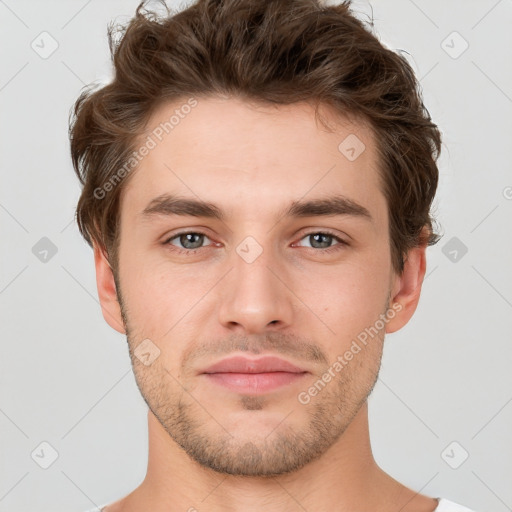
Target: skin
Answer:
[[218, 450]]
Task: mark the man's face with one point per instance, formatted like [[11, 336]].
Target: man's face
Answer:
[[254, 283]]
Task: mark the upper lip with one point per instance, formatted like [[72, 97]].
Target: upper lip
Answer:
[[240, 364]]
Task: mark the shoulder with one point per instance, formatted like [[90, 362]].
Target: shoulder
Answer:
[[450, 506]]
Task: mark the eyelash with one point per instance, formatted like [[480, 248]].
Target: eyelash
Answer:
[[329, 250]]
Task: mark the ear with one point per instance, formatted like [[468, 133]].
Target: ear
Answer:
[[107, 291], [407, 288]]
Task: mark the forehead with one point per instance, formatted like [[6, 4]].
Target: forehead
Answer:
[[247, 155]]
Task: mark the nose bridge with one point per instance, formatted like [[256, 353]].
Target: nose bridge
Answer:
[[255, 295]]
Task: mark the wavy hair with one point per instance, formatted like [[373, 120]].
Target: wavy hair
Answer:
[[273, 52]]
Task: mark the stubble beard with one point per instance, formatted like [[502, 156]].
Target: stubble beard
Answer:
[[285, 449]]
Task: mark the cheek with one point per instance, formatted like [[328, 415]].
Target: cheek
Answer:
[[161, 298], [350, 299]]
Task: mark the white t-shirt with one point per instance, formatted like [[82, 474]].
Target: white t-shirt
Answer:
[[449, 506], [444, 506]]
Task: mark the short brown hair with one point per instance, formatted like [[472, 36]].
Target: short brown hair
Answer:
[[273, 52]]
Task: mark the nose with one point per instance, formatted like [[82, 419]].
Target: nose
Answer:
[[256, 296]]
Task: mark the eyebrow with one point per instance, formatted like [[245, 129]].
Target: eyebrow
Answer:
[[168, 204]]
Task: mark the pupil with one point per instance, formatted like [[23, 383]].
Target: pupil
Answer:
[[320, 235], [187, 239]]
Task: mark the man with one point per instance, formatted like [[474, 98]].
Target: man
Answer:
[[257, 181]]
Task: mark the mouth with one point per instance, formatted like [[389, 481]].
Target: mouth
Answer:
[[253, 376]]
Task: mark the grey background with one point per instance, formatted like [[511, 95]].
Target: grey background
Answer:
[[65, 374]]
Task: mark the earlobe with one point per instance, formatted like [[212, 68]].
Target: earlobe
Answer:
[[407, 289], [107, 291]]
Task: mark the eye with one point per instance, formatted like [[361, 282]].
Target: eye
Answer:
[[190, 241], [321, 241]]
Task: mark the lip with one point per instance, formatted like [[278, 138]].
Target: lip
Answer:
[[240, 364], [253, 376]]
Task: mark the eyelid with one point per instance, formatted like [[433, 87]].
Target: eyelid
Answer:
[[186, 231], [325, 231]]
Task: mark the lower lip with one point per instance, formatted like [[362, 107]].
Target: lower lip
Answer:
[[254, 383]]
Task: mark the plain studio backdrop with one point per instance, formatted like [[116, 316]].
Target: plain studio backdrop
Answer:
[[73, 425]]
